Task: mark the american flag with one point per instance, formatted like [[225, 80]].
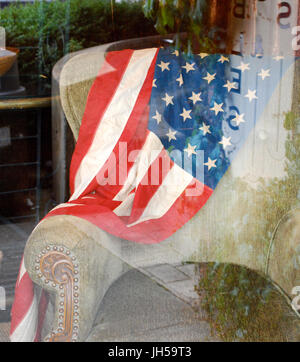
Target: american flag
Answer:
[[159, 131]]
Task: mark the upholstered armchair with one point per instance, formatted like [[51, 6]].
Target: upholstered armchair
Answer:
[[76, 262]]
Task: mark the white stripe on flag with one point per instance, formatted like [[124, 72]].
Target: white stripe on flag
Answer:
[[114, 119], [65, 205], [26, 330], [174, 184], [151, 148], [22, 271], [125, 208]]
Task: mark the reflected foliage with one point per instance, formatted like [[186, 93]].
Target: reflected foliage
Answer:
[[204, 21], [243, 306], [45, 31], [240, 304]]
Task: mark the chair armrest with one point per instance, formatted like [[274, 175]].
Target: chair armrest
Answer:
[[63, 259]]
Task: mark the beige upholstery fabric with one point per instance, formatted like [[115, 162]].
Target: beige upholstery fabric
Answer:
[[75, 86]]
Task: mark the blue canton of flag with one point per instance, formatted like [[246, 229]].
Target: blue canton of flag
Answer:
[[206, 105]]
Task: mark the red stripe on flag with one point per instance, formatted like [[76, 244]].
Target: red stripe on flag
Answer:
[[150, 184], [122, 153], [147, 232], [24, 294]]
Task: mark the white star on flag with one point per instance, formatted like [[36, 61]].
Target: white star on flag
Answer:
[[229, 85], [171, 135], [203, 55], [239, 118], [225, 142], [243, 67], [210, 77], [154, 83], [278, 57], [176, 52], [180, 80], [217, 108], [196, 97], [188, 67], [190, 150], [168, 99], [164, 66], [157, 117], [251, 95], [185, 114], [205, 128], [210, 163], [223, 59], [264, 73]]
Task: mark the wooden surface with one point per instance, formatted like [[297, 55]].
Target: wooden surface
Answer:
[[7, 59], [25, 103]]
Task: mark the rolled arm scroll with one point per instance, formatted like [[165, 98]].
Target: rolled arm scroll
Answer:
[[58, 270]]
